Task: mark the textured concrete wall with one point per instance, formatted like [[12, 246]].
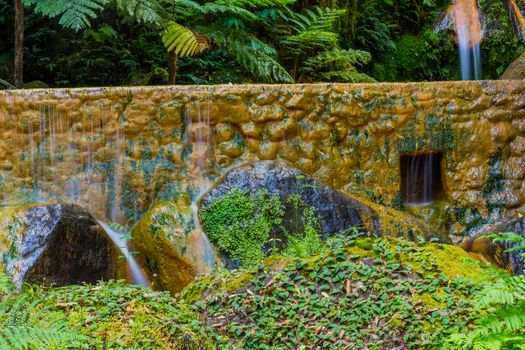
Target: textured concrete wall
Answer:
[[120, 148]]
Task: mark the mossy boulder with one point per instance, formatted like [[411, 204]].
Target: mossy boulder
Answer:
[[371, 293], [261, 205], [170, 246], [408, 224], [57, 244], [106, 315], [516, 70]]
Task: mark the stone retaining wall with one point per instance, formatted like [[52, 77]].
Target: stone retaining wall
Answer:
[[118, 149]]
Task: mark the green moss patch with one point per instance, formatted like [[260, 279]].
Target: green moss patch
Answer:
[[240, 225]]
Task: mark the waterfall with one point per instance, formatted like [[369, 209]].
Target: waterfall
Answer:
[[469, 34], [421, 179], [200, 141], [138, 276]]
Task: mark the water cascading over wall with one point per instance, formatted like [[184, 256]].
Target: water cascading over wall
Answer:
[[116, 150]]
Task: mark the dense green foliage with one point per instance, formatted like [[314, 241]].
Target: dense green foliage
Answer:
[[123, 42], [109, 315], [367, 293], [355, 293], [248, 228], [241, 225]]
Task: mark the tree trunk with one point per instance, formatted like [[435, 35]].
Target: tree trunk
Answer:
[[353, 21], [19, 44], [172, 69]]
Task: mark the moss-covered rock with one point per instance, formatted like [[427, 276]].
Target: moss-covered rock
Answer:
[[516, 70], [170, 245], [401, 224], [260, 206]]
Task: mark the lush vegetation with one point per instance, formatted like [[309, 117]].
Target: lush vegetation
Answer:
[[123, 42], [249, 228], [110, 315], [359, 292], [367, 294], [499, 309]]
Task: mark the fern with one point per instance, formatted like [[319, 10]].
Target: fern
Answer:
[[252, 54], [502, 309], [74, 14], [143, 11], [313, 30], [24, 324], [183, 41], [255, 3], [319, 19], [337, 65], [5, 284], [224, 23]]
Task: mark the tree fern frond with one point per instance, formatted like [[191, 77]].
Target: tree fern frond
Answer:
[[255, 3], [310, 31], [311, 39], [502, 308], [337, 65], [319, 19], [215, 9], [74, 14], [183, 41], [143, 11], [254, 56]]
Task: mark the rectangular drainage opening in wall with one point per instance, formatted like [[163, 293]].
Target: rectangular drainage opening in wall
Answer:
[[421, 182]]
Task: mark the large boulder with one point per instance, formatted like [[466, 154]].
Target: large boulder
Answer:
[[170, 245], [273, 202], [336, 211], [516, 70], [55, 244]]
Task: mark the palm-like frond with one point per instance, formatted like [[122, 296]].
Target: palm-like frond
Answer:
[[319, 19], [183, 41], [502, 308], [255, 3], [255, 56], [143, 11], [311, 31], [74, 14], [337, 65]]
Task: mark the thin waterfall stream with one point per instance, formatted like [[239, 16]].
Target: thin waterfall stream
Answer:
[[136, 272]]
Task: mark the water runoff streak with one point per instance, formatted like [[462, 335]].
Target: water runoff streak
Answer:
[[469, 34], [138, 276]]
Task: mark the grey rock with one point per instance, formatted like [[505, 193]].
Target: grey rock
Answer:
[[336, 211], [516, 70], [57, 244]]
